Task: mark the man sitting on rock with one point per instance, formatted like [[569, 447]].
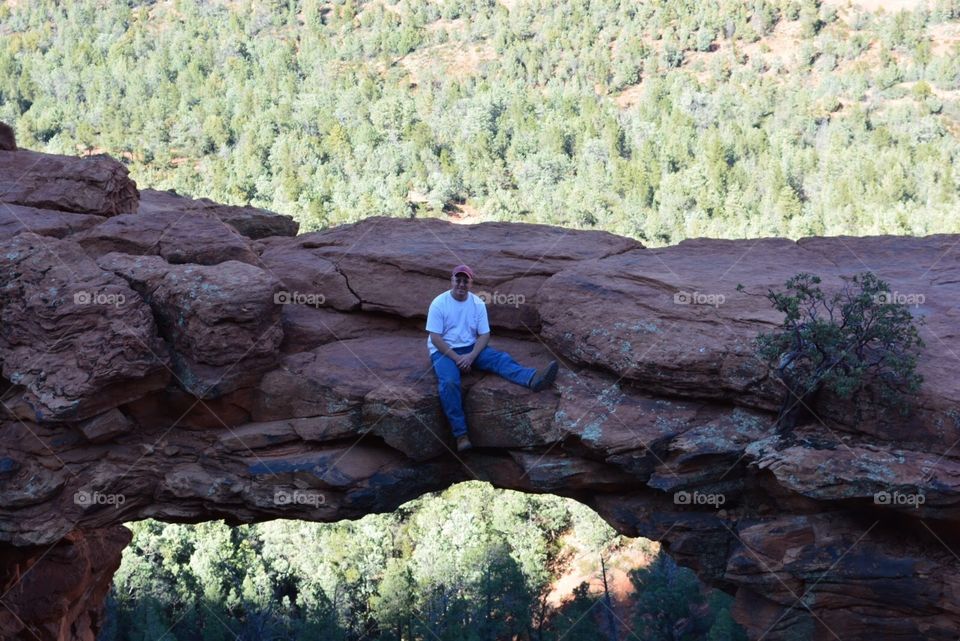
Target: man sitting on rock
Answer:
[[459, 332]]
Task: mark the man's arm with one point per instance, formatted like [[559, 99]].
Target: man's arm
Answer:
[[441, 345], [463, 361], [482, 341]]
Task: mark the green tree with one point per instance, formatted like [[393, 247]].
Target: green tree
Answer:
[[577, 619], [862, 334], [395, 600], [668, 598]]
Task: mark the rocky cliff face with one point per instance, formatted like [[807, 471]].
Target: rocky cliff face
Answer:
[[177, 359]]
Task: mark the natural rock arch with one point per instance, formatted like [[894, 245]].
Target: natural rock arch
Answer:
[[197, 360]]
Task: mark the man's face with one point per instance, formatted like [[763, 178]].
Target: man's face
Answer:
[[460, 286]]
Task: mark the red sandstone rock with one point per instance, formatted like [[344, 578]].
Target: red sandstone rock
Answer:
[[251, 222], [384, 383], [503, 414], [863, 471], [15, 219], [93, 185], [58, 594], [178, 236], [177, 407], [672, 321], [392, 266], [790, 567], [222, 322], [75, 339], [309, 280], [306, 326], [106, 426]]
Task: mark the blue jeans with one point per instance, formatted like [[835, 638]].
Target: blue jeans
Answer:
[[488, 360]]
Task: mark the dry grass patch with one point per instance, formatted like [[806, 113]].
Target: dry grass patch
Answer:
[[453, 59], [945, 38]]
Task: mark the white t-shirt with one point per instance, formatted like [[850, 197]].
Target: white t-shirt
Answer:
[[459, 323]]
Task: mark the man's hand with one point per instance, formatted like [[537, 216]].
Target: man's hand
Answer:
[[463, 361]]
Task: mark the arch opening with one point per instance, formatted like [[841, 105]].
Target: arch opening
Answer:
[[469, 562]]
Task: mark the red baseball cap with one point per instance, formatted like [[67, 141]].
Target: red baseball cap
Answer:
[[463, 269]]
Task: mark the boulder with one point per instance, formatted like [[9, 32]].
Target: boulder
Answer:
[[179, 237], [74, 339], [15, 219], [221, 322], [251, 222], [97, 185]]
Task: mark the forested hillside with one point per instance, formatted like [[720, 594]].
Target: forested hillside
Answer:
[[659, 120], [471, 564]]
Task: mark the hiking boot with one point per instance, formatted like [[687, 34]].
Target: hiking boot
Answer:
[[544, 376], [463, 443]]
